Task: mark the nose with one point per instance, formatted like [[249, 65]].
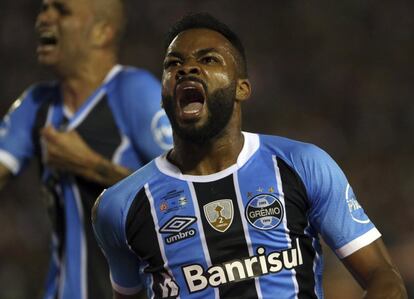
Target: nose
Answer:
[[188, 70], [45, 17]]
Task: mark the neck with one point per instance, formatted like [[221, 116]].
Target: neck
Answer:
[[79, 83], [212, 156]]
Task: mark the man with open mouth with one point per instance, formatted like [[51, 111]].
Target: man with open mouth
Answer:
[[226, 213], [90, 128]]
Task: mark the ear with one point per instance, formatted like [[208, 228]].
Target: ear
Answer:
[[102, 34], [243, 89]]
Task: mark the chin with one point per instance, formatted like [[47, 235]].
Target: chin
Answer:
[[47, 61]]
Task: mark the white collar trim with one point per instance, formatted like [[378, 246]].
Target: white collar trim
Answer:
[[115, 70], [250, 146]]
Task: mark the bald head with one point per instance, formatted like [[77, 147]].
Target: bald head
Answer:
[[111, 12]]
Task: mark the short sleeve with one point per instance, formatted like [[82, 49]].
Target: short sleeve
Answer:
[[107, 220], [335, 211], [16, 129], [148, 126]]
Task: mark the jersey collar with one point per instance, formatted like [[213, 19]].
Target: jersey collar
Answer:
[[250, 146]]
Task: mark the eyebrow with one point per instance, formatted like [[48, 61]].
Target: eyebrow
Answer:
[[175, 54], [200, 52], [205, 51]]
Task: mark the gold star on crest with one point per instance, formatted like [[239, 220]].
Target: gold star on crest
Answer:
[[271, 190]]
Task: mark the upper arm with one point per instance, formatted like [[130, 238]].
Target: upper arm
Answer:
[[373, 269], [107, 220], [334, 209], [365, 261], [16, 131]]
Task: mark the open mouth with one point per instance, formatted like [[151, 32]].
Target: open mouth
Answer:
[[191, 98], [47, 39]]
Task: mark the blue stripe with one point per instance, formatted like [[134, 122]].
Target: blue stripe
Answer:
[[52, 278], [271, 240], [177, 253], [73, 244]]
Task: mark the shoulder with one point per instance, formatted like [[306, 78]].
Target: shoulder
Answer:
[[37, 93], [135, 78], [40, 89], [313, 165], [29, 101], [292, 151], [135, 90]]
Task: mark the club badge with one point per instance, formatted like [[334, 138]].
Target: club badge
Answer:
[[219, 214]]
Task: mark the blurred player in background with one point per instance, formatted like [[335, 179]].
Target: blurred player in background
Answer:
[[230, 214], [91, 127]]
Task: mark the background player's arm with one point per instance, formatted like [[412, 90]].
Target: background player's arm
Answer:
[[68, 152], [140, 295], [5, 175], [373, 269]]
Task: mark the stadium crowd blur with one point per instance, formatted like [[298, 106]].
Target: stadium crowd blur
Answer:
[[335, 73]]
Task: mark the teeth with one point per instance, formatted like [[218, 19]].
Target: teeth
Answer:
[[47, 35]]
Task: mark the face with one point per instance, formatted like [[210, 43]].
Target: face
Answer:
[[199, 84], [63, 28]]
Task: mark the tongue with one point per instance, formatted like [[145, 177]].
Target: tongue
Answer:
[[192, 107]]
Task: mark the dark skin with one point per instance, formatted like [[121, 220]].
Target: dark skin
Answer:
[[190, 54], [211, 58]]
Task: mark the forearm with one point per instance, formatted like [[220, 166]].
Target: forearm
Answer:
[[103, 171], [385, 283]]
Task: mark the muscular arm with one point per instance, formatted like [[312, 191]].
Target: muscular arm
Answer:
[[68, 152], [373, 269], [5, 175]]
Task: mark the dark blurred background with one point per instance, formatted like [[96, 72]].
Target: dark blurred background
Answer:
[[335, 73]]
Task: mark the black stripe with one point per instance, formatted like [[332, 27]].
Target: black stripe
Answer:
[[100, 131], [297, 206], [142, 237], [229, 245], [97, 268]]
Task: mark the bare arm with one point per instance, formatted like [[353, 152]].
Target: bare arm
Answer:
[[5, 175], [68, 152], [140, 295], [373, 269]]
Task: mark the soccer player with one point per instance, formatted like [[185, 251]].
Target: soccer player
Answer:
[[91, 127], [226, 213]]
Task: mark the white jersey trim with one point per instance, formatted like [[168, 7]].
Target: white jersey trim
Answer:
[[123, 290], [358, 243], [250, 146], [9, 161]]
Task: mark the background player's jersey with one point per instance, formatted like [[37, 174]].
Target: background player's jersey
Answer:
[[249, 231], [123, 122]]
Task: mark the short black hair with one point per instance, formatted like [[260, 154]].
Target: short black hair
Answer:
[[207, 21]]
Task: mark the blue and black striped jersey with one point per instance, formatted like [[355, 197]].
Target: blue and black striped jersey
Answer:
[[123, 122], [250, 231]]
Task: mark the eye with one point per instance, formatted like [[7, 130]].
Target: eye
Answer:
[[171, 63], [209, 59], [43, 7], [61, 8]]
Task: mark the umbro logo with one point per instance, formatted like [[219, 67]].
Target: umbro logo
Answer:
[[178, 228]]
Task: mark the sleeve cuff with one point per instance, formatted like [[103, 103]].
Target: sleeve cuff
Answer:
[[123, 290], [9, 161], [358, 243]]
